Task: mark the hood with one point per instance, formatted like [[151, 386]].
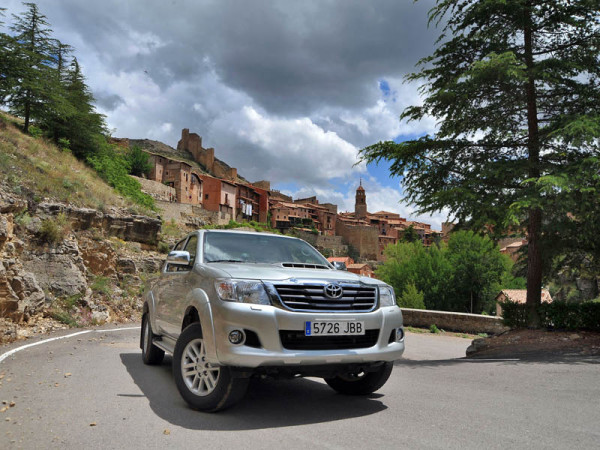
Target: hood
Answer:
[[272, 272]]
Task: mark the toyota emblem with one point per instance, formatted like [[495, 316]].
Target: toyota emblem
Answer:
[[333, 290]]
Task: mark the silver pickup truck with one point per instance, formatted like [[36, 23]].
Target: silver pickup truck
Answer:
[[230, 305]]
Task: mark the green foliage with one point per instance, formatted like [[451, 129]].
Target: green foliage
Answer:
[[465, 275], [411, 298], [434, 329], [64, 317], [163, 247], [410, 234], [514, 86], [54, 230], [114, 169], [139, 161], [353, 252], [101, 285], [555, 315], [38, 83]]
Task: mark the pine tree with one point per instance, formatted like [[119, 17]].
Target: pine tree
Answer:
[[32, 94], [8, 61], [83, 127], [515, 85]]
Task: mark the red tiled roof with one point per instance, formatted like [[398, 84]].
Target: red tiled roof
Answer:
[[520, 295]]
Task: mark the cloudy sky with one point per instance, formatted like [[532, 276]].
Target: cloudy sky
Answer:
[[287, 91]]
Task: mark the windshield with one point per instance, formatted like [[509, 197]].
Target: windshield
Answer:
[[259, 248]]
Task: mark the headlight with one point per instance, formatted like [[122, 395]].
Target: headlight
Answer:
[[386, 296], [243, 291]]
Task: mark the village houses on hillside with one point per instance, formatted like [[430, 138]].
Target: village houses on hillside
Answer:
[[205, 187]]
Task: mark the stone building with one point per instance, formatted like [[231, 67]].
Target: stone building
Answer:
[[219, 196], [192, 143], [178, 175]]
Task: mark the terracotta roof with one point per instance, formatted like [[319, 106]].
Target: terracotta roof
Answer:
[[356, 266], [520, 295], [340, 259]]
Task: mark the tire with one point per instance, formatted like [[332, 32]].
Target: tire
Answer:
[[151, 354], [363, 383], [204, 386]]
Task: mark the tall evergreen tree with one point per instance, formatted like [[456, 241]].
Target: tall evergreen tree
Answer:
[[32, 94], [83, 126], [515, 85], [8, 61]]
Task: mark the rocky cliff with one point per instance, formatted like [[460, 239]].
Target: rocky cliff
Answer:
[[62, 265]]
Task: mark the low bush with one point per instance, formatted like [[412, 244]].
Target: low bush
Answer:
[[556, 315], [114, 169], [54, 231]]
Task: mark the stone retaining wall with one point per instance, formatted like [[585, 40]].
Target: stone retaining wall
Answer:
[[452, 321]]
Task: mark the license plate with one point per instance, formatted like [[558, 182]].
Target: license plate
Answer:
[[334, 328]]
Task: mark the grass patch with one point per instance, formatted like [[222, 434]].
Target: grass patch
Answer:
[[434, 329], [37, 166], [101, 285]]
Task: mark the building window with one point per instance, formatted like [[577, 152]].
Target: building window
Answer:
[[226, 199], [205, 196]]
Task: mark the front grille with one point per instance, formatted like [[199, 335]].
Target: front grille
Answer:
[[295, 340], [311, 297]]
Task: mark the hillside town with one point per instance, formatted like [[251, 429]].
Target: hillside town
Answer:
[[192, 183]]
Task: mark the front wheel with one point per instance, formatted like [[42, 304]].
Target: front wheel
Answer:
[[362, 383], [203, 385]]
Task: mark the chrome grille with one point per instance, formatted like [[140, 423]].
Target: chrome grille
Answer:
[[311, 297]]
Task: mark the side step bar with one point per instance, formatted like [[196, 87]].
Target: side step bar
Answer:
[[164, 343]]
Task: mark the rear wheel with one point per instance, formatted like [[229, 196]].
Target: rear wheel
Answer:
[[361, 383], [203, 385], [151, 354]]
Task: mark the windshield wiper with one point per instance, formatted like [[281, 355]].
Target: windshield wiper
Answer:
[[226, 260]]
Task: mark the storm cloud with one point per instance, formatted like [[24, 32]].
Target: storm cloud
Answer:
[[283, 90]]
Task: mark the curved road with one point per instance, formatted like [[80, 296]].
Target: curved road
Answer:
[[92, 391]]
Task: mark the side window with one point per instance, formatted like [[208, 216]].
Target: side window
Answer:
[[191, 246]]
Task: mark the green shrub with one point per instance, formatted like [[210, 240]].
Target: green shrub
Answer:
[[434, 329], [556, 315], [114, 169], [163, 247], [102, 285], [53, 231], [64, 317]]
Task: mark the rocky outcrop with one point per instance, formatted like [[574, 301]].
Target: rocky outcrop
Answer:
[[89, 271], [113, 223]]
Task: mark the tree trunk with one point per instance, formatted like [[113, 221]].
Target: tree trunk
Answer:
[[534, 257]]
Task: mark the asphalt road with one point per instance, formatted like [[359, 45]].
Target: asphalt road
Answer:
[[92, 391]]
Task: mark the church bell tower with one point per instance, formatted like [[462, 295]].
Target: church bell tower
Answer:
[[360, 204]]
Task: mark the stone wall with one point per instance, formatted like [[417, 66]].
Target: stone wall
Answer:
[[452, 321], [157, 190], [334, 243], [364, 238], [190, 215]]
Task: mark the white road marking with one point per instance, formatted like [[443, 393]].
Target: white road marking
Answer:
[[45, 341], [489, 359]]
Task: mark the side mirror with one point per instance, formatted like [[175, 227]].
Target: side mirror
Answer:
[[179, 258], [338, 265]]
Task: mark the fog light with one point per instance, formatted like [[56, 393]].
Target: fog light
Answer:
[[236, 337], [399, 334]]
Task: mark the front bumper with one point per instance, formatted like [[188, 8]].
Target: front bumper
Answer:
[[268, 321]]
